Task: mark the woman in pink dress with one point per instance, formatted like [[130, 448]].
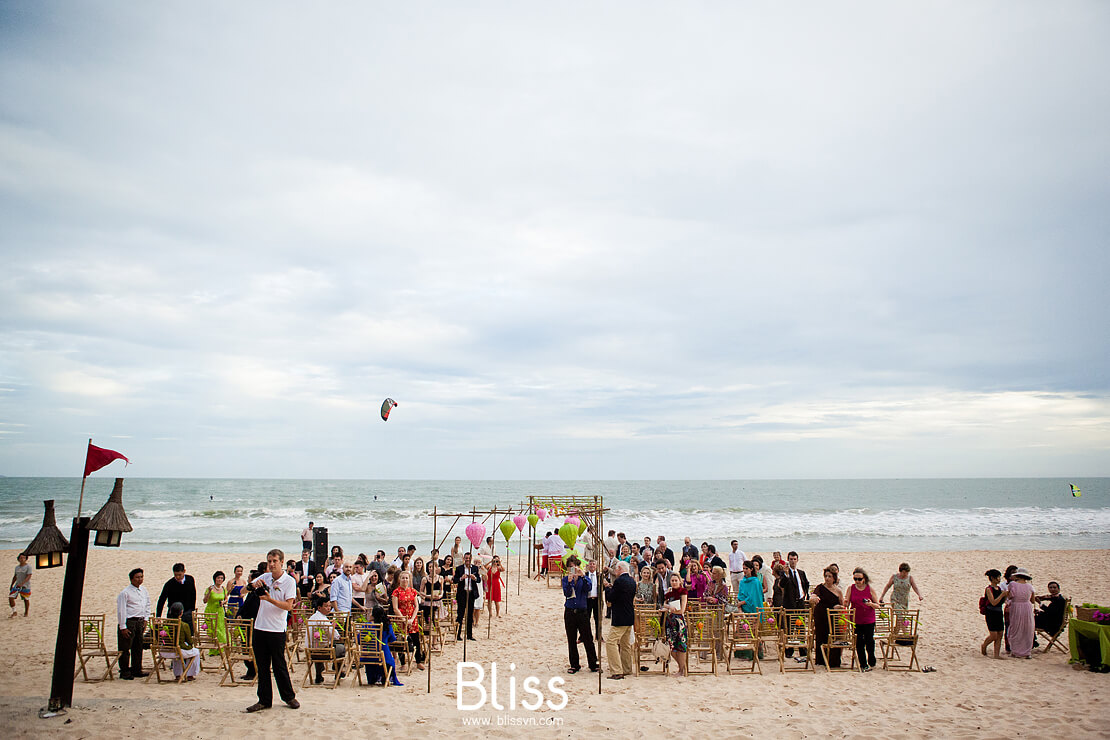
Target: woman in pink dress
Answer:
[[1021, 598]]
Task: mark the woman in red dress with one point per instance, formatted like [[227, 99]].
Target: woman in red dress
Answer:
[[406, 602], [493, 580]]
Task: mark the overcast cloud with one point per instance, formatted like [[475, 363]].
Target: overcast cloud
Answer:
[[616, 240]]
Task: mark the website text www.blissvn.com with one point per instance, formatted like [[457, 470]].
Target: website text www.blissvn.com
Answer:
[[511, 720]]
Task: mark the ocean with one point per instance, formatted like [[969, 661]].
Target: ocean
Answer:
[[254, 515]]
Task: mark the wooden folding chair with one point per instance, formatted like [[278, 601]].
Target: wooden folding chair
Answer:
[[770, 631], [1053, 639], [701, 638], [165, 648], [206, 637], [648, 627], [842, 636], [400, 645], [239, 648], [903, 635], [91, 644], [743, 634], [319, 647], [294, 641], [366, 644], [797, 633], [555, 570], [884, 619]]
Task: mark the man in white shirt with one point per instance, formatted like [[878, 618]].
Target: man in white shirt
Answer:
[[306, 574], [278, 594], [594, 577], [306, 538], [485, 553], [359, 578], [736, 560], [321, 619], [400, 559], [611, 544], [132, 610]]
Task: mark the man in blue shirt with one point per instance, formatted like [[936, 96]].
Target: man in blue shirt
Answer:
[[576, 615], [342, 590]]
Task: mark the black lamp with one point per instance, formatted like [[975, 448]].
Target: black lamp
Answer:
[[49, 543], [111, 521]]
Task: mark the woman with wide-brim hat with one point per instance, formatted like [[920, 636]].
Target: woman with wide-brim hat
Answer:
[[1021, 598]]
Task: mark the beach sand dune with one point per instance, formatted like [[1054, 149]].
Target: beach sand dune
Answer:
[[968, 696]]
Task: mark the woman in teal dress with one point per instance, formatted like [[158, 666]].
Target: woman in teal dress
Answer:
[[215, 596], [750, 591]]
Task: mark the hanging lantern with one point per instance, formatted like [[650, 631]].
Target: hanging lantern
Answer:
[[49, 543], [111, 521]]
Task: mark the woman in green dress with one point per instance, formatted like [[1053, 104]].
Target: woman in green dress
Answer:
[[215, 597]]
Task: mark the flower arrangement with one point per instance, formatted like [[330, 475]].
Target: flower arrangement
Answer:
[[655, 626], [745, 628], [701, 629], [1101, 617], [162, 634]]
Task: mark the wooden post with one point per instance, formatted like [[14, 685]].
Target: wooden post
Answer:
[[69, 617], [81, 499]]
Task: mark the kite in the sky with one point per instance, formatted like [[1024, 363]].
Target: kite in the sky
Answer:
[[387, 406], [1075, 492]]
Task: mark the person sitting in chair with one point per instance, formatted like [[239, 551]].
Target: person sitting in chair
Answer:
[[1051, 615], [185, 642], [321, 619]]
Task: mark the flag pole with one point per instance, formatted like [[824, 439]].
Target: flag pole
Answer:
[[81, 499]]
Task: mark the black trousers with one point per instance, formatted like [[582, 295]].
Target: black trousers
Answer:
[[865, 640], [131, 650], [591, 604], [577, 622], [269, 650], [465, 606]]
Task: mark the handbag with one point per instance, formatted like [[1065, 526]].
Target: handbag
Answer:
[[660, 649], [983, 603]]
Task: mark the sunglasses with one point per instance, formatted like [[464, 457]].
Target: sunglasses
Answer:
[[857, 579]]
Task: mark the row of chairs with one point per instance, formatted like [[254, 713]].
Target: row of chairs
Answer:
[[715, 637]]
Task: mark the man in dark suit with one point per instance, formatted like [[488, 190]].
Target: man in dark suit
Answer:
[[467, 579], [795, 592], [618, 645], [181, 588], [305, 574], [576, 615]]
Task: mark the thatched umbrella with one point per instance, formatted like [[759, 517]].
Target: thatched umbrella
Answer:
[[111, 521], [49, 543]]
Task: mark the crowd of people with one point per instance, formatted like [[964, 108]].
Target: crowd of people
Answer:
[[1014, 612], [619, 573]]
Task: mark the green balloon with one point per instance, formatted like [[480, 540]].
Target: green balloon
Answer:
[[569, 534], [582, 527], [533, 520], [508, 529]]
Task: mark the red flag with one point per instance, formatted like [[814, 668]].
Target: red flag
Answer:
[[98, 457]]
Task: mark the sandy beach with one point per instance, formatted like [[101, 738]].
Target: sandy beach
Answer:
[[967, 696]]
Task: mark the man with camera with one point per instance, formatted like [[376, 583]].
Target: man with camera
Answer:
[[576, 614], [277, 592]]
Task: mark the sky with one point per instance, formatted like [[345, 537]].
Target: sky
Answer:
[[627, 240]]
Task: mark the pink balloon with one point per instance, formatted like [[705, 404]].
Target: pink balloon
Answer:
[[476, 533], [572, 520], [520, 520], [541, 513]]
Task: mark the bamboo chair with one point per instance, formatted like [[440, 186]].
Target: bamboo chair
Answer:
[[646, 635], [207, 637], [433, 631], [743, 634], [842, 636], [555, 570], [294, 642], [319, 647], [797, 633], [770, 631], [239, 648], [90, 644], [400, 645], [701, 634], [884, 619], [1053, 639], [903, 634], [366, 644], [165, 648]]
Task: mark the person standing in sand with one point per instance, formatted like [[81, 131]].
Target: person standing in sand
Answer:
[[618, 643], [278, 593], [901, 582], [21, 586], [996, 626], [306, 538], [1021, 597], [132, 609]]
